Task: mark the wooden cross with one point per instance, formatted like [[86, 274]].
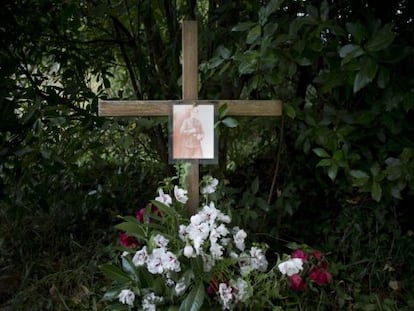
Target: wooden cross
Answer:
[[141, 108]]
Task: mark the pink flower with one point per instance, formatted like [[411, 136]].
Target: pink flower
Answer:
[[297, 283], [299, 254], [127, 240], [320, 276]]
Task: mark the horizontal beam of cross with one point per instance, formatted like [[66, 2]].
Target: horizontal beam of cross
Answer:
[[154, 108]]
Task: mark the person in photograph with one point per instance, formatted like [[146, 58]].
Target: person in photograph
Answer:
[[192, 134]]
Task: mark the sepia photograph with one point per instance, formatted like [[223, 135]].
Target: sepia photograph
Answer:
[[193, 132]]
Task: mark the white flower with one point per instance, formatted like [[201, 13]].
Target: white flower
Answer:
[[211, 185], [182, 231], [245, 264], [222, 230], [209, 213], [196, 219], [148, 306], [180, 287], [233, 255], [198, 234], [226, 296], [214, 235], [170, 262], [208, 262], [140, 257], [291, 266], [161, 241], [127, 297], [155, 261], [163, 198], [216, 251], [189, 251], [241, 290], [180, 194], [239, 235], [161, 261], [149, 302], [258, 259]]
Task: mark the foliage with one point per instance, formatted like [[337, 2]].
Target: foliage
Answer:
[[338, 163], [344, 137]]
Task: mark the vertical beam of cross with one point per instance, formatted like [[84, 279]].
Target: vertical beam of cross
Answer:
[[190, 92]]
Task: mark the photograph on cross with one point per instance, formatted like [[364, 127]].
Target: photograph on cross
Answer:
[[192, 135]]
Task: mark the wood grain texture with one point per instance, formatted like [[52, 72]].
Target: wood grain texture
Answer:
[[154, 108], [190, 60], [190, 92]]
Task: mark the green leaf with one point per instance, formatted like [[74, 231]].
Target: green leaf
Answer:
[[248, 61], [112, 293], [247, 67], [369, 67], [333, 171], [253, 34], [360, 178], [255, 185], [129, 268], [114, 273], [243, 26], [223, 110], [376, 191], [230, 122], [215, 62], [223, 52], [132, 228], [358, 174], [324, 162], [289, 111], [353, 50], [320, 152], [194, 300], [395, 169], [165, 210], [381, 40], [361, 80]]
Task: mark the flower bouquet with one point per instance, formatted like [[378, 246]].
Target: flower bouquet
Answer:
[[172, 262]]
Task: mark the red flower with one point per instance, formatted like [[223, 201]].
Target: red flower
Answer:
[[317, 255], [212, 288], [127, 240], [320, 276], [140, 214], [299, 254], [297, 283]]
